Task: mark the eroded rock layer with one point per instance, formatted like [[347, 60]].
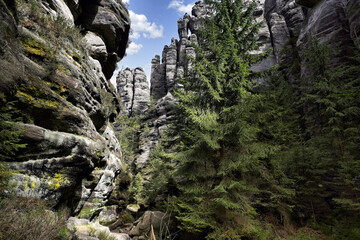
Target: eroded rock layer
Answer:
[[133, 87], [57, 78]]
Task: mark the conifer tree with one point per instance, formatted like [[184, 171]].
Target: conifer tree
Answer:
[[219, 158], [324, 162], [10, 138]]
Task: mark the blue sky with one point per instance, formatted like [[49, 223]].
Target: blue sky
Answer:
[[153, 24]]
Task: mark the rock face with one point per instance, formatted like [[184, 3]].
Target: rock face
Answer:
[[109, 20], [57, 77], [134, 90]]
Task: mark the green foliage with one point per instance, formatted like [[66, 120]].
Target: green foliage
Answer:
[[220, 162], [315, 122], [161, 169], [10, 137], [102, 235], [128, 132], [287, 151], [105, 236], [29, 219], [136, 188]]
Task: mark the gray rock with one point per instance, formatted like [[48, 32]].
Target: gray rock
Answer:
[[183, 26], [72, 156], [74, 7], [329, 22], [154, 218], [157, 79], [141, 91], [281, 35], [86, 230], [294, 16], [110, 20], [58, 8], [96, 46], [125, 87], [120, 236], [108, 215], [170, 68], [134, 90], [200, 9]]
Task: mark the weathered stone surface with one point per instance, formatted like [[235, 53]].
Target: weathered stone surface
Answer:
[[108, 215], [264, 40], [134, 90], [158, 81], [58, 9], [87, 230], [294, 16], [74, 7], [72, 156], [125, 87], [141, 91], [329, 23], [280, 35], [154, 218], [110, 20], [97, 46]]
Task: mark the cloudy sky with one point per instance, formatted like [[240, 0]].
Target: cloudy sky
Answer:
[[153, 24]]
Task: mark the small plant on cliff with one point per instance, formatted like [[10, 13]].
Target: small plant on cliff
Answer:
[[10, 138]]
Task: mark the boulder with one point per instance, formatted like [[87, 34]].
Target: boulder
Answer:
[[149, 218], [87, 230], [108, 215]]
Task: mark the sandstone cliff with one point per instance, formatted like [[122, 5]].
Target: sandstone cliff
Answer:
[[133, 87], [56, 57]]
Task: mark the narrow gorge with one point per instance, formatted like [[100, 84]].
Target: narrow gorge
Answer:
[[103, 154]]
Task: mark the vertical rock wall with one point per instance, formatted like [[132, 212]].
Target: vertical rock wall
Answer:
[[58, 79], [133, 87]]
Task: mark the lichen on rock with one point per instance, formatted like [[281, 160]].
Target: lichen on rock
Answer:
[[58, 78]]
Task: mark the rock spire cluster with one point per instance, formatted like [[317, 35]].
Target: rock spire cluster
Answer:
[[286, 23]]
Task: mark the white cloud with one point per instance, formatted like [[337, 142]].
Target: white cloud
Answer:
[[180, 7], [141, 26], [134, 35], [133, 48], [126, 1]]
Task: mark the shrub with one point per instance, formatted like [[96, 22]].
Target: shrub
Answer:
[[30, 219]]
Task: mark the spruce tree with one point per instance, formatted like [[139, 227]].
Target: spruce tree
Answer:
[[10, 137], [220, 161]]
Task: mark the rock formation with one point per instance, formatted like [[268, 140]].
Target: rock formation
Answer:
[[57, 78], [133, 87], [286, 23]]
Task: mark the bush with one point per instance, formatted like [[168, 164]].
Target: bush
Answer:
[[29, 219]]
